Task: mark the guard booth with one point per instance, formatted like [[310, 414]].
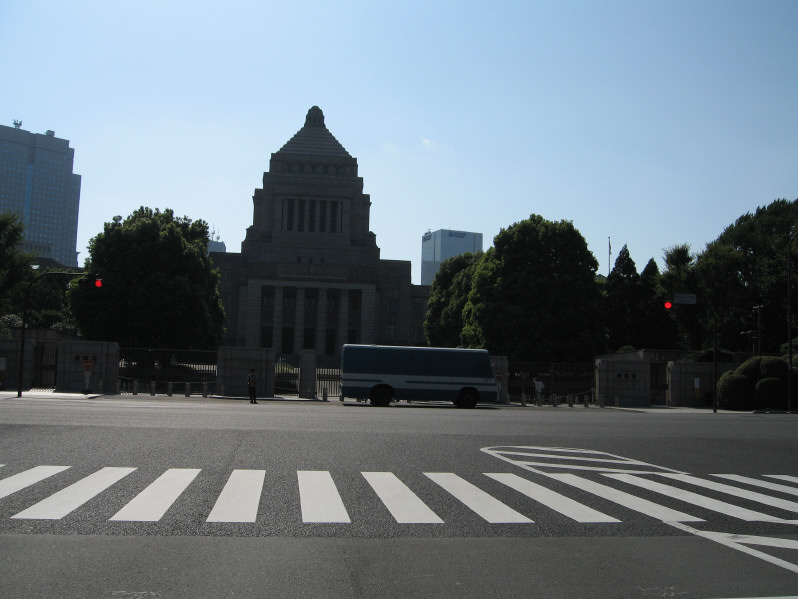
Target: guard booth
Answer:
[[87, 367]]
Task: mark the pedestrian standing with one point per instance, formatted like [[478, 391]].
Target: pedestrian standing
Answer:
[[252, 384], [538, 389]]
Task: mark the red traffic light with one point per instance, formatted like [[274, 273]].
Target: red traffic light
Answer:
[[89, 281], [668, 304]]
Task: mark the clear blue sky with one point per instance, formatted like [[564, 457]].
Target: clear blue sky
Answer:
[[650, 123]]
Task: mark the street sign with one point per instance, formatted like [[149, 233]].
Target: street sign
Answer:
[[684, 298]]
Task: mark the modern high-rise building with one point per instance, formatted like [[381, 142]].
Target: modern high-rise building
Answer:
[[37, 183], [443, 244]]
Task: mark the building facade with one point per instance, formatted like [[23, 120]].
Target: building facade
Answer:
[[443, 244], [309, 275], [37, 183]]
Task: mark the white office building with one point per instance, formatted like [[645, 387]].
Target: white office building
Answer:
[[437, 246]]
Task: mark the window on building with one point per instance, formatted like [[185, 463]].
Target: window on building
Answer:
[[288, 210], [312, 215], [300, 215]]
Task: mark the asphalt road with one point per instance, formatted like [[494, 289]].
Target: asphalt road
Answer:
[[218, 498]]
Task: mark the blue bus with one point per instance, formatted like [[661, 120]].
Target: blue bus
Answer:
[[381, 373]]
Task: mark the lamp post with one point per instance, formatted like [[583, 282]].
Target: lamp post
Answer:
[[758, 330], [793, 233]]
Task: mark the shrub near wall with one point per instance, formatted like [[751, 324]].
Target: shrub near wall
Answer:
[[735, 391], [758, 383]]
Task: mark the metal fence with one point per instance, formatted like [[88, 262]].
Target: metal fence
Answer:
[[328, 376], [286, 374], [560, 379], [166, 371]]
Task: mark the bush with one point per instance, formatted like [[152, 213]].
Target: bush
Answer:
[[706, 355], [735, 391], [773, 368], [750, 368], [771, 392]]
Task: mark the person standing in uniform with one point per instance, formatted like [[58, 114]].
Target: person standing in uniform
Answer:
[[252, 383], [538, 389]]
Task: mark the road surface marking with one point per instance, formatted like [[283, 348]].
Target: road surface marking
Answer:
[[239, 500], [729, 541], [319, 497], [551, 499], [404, 505], [17, 482], [152, 503], [784, 477], [637, 504], [569, 458], [695, 499], [735, 491], [63, 502], [760, 483], [486, 506]]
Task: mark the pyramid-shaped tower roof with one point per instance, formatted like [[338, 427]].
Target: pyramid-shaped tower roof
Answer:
[[314, 138]]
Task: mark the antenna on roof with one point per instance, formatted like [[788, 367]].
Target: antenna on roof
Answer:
[[17, 124]]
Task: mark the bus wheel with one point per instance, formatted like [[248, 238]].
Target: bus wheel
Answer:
[[381, 396], [468, 398]]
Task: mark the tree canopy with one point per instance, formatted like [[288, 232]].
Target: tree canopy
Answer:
[[534, 296], [745, 267], [14, 263], [448, 295], [160, 288]]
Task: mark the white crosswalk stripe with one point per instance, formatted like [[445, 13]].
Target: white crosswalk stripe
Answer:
[[765, 484], [735, 491], [240, 497], [559, 503], [319, 498], [63, 502], [151, 504], [638, 504], [483, 504], [695, 499], [404, 505], [785, 477], [15, 483]]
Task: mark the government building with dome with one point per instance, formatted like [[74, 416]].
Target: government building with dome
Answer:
[[309, 275]]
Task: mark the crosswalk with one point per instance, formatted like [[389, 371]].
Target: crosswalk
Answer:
[[585, 498]]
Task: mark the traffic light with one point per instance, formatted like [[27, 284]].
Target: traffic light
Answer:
[[668, 304], [90, 282]]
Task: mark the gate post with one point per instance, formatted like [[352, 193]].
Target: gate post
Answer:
[[307, 374]]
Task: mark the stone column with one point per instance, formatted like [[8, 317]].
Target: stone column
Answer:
[[368, 315], [251, 316], [277, 336], [343, 320], [321, 322], [299, 322]]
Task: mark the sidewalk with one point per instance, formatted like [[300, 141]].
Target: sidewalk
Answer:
[[48, 394]]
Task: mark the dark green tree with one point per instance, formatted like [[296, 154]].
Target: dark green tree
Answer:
[[656, 328], [680, 276], [160, 288], [534, 295], [448, 296], [14, 263], [623, 305], [746, 266]]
